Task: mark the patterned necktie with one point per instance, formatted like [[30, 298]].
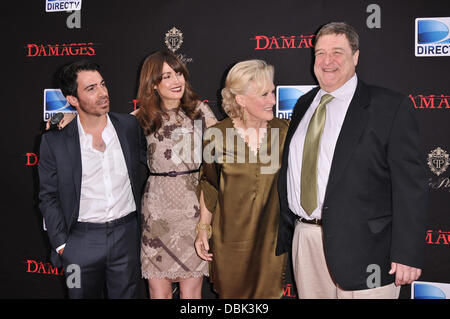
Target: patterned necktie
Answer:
[[308, 185]]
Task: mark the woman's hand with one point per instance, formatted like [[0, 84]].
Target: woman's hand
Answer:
[[202, 245], [203, 231]]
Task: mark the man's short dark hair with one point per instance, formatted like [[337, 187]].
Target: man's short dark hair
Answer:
[[341, 28], [68, 75]]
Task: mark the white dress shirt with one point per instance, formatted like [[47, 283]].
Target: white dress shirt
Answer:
[[335, 114], [105, 185]]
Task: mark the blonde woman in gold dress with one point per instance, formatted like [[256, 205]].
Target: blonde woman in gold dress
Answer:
[[239, 206]]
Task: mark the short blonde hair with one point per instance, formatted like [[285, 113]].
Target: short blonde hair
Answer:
[[238, 80]]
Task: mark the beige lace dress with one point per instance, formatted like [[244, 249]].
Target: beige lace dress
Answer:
[[170, 208]]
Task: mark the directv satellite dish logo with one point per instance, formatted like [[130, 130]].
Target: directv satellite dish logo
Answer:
[[430, 290], [55, 102], [287, 96], [432, 37]]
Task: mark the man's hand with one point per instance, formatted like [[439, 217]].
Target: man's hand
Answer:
[[404, 274]]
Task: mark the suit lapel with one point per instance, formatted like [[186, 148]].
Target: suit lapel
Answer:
[[74, 151], [354, 124]]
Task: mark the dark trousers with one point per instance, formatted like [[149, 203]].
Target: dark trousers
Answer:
[[107, 256]]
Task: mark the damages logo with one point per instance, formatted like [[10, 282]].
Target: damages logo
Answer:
[[72, 49], [264, 42], [439, 237], [430, 101], [39, 267]]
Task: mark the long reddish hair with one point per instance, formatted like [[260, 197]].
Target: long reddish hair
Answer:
[[150, 115]]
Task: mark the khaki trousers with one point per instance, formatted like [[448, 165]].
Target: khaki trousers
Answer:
[[311, 273]]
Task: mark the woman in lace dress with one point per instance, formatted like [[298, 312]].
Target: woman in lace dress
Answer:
[[238, 188], [173, 120]]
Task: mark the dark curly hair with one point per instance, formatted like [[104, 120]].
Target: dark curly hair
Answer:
[[67, 77]]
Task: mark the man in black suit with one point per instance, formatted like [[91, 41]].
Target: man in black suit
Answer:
[[90, 189], [352, 185]]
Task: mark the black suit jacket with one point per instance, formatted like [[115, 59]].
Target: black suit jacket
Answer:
[[375, 204], [60, 174]]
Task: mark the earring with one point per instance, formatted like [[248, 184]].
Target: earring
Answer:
[[244, 118]]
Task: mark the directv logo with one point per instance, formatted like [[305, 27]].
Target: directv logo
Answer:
[[62, 5], [55, 102], [429, 290], [432, 37], [287, 96]]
